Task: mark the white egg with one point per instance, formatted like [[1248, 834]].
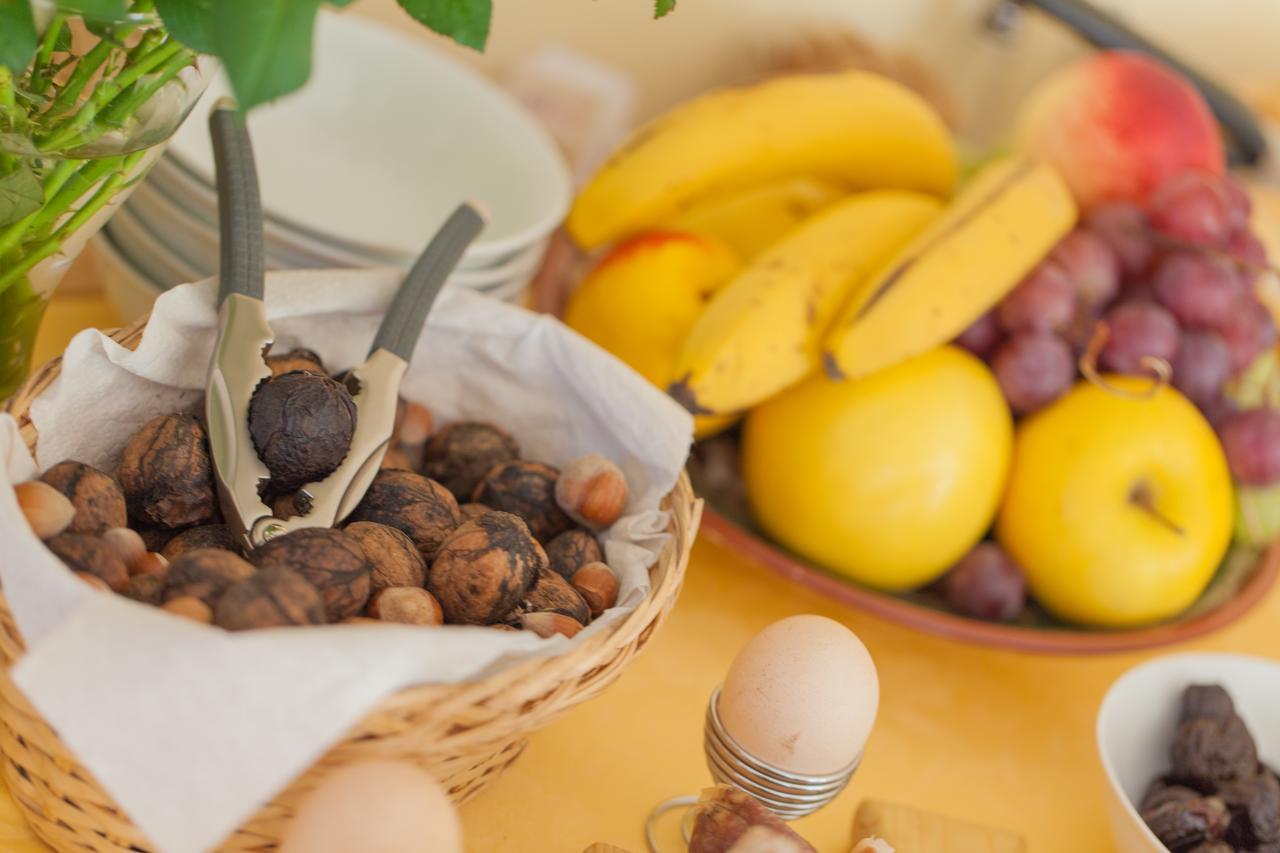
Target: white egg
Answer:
[[802, 695], [376, 807]]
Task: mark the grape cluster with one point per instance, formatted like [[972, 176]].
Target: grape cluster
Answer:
[[1171, 280]]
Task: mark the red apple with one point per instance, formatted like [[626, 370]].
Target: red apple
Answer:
[[1116, 124]]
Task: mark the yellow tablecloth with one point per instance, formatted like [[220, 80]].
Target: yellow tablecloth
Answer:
[[996, 737]]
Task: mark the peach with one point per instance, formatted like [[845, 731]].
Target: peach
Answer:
[[1116, 124]]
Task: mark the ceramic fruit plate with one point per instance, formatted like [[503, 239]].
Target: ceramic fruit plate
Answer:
[[1241, 582]]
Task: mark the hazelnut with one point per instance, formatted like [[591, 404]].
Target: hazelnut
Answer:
[[470, 511], [148, 589], [166, 474], [592, 490], [93, 581], [396, 459], [572, 550], [459, 455], [551, 624], [97, 497], [421, 508], [299, 358], [393, 558], [273, 597], [485, 568], [301, 424], [410, 605], [189, 607], [204, 573], [598, 586], [206, 536], [551, 593], [90, 554], [128, 545], [413, 428], [330, 560], [526, 489], [47, 510], [150, 563]]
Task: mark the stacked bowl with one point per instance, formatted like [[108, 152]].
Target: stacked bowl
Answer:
[[358, 169]]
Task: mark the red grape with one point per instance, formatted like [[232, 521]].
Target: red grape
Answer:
[[1246, 246], [1202, 291], [1248, 332], [1091, 264], [1239, 205], [986, 584], [1138, 329], [1192, 206], [1033, 369], [1251, 441], [982, 337], [1202, 367], [1125, 228], [1044, 301]]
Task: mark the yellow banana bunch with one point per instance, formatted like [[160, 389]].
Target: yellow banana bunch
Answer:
[[854, 129], [751, 220], [761, 332], [1002, 223]]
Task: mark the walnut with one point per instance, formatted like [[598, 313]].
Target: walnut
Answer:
[[149, 589], [301, 424], [1255, 809], [572, 550], [1182, 824], [155, 538], [526, 489], [421, 508], [485, 568], [393, 558], [270, 598], [1207, 700], [409, 605], [460, 454], [1207, 751], [206, 536], [91, 555], [97, 497], [330, 560], [470, 511], [551, 593], [205, 573], [167, 475], [299, 358]]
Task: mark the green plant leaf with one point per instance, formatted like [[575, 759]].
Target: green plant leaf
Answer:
[[464, 21], [339, 3], [265, 46], [190, 21], [662, 7], [17, 35], [101, 10], [20, 194], [17, 143]]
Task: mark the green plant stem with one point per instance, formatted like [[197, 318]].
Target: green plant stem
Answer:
[[67, 182], [41, 74]]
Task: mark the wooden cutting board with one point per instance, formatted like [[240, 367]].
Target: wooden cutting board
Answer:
[[913, 831]]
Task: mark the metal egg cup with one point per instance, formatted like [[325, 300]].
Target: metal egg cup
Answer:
[[787, 794]]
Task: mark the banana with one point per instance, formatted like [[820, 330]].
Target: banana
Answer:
[[998, 228], [749, 221], [761, 332], [855, 129]]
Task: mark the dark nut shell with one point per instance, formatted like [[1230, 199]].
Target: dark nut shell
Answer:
[[299, 358], [206, 536], [91, 555], [423, 509], [271, 598], [1255, 809], [460, 454], [330, 560], [393, 558], [1207, 700], [485, 568], [1208, 751], [551, 593], [1183, 824], [205, 573], [572, 550], [166, 474], [97, 497], [470, 511], [526, 489], [155, 538], [301, 424], [149, 589]]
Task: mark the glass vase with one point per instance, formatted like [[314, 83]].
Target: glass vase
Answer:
[[78, 129]]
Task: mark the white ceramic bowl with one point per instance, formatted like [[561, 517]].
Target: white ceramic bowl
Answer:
[[387, 137], [1138, 716]]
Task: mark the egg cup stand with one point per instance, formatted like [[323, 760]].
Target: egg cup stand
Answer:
[[787, 794]]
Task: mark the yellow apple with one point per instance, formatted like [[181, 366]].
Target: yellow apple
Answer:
[[1119, 509], [641, 300], [887, 479]]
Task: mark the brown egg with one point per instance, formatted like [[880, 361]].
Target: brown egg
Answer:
[[383, 806]]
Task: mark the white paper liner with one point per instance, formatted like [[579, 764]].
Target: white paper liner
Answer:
[[191, 729]]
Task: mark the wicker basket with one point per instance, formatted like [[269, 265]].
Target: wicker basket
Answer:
[[464, 734]]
